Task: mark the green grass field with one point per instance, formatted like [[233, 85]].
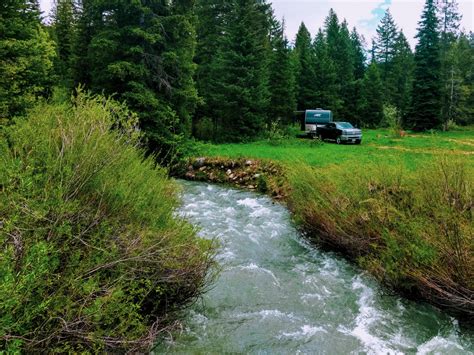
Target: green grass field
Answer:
[[378, 146]]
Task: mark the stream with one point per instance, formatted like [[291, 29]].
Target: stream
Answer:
[[277, 294]]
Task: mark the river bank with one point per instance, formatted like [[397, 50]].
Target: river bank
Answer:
[[412, 231]]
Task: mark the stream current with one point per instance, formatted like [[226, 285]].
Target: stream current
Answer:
[[277, 294]]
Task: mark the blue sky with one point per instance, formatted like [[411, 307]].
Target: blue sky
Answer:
[[364, 14]]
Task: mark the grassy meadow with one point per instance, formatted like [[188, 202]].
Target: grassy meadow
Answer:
[[378, 147]]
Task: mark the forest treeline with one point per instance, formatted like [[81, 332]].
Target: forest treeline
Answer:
[[224, 70]]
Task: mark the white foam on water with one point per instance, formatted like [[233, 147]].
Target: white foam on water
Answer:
[[186, 214], [400, 306], [402, 341], [261, 212], [315, 281], [330, 268], [227, 254], [249, 202], [255, 267], [265, 314], [439, 345], [253, 239], [311, 296], [199, 318], [274, 234], [229, 210], [307, 331], [367, 316]]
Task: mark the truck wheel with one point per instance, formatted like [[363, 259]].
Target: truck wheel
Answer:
[[338, 140], [358, 141]]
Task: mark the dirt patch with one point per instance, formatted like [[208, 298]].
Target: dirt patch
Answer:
[[468, 142], [427, 151]]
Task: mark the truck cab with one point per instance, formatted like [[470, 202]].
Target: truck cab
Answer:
[[340, 132]]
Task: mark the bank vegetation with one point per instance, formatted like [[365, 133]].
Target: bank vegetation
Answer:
[[92, 257]]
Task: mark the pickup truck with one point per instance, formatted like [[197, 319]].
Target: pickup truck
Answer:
[[340, 132]]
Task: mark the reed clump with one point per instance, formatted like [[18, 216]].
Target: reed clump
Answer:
[[413, 230]]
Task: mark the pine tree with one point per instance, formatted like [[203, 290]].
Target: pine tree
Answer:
[[142, 52], [282, 81], [449, 25], [425, 112], [372, 51], [26, 57], [244, 82], [355, 91], [304, 70], [385, 44], [341, 54], [63, 27], [212, 17], [346, 70], [325, 86], [371, 105], [401, 75], [87, 20], [358, 54], [178, 55], [332, 28], [461, 93], [449, 20]]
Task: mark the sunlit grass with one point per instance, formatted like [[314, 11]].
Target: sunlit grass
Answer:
[[378, 146]]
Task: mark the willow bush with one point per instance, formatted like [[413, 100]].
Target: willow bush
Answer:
[[412, 229], [92, 256]]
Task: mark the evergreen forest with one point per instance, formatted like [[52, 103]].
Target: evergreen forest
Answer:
[[224, 71]]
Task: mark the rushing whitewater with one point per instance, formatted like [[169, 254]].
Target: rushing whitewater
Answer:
[[276, 294]]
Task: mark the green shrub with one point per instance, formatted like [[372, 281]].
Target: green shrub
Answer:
[[392, 121], [274, 133], [93, 258]]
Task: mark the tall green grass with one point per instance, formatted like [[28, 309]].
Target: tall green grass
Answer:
[[92, 257], [412, 229]]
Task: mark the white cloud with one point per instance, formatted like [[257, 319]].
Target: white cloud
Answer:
[[46, 6]]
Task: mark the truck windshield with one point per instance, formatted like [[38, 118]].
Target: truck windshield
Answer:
[[344, 125]]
